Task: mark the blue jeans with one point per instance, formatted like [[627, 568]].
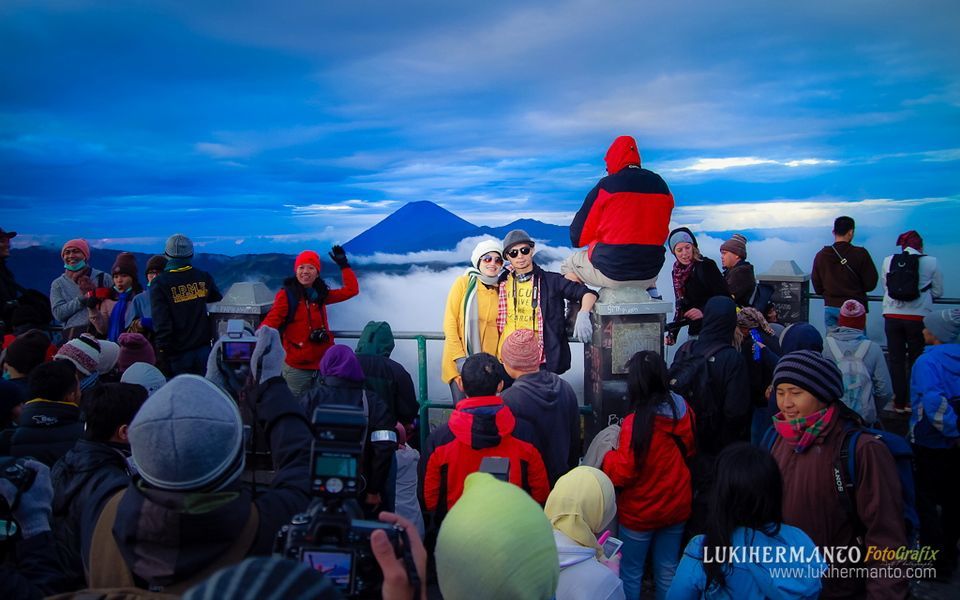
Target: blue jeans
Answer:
[[831, 314], [666, 557]]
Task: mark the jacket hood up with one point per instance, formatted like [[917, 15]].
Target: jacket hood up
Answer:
[[376, 339], [800, 336], [86, 460], [719, 320], [542, 388], [340, 361], [622, 153], [481, 422]]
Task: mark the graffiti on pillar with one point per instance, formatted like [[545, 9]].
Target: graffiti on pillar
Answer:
[[630, 338]]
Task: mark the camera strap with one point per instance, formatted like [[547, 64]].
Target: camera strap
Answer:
[[411, 566]]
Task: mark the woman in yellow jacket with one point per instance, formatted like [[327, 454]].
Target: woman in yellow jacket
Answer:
[[470, 321]]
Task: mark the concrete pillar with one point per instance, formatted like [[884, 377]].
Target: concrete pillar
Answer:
[[625, 321], [791, 291], [247, 301]]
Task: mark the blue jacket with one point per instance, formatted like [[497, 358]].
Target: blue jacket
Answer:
[[748, 578], [935, 396]]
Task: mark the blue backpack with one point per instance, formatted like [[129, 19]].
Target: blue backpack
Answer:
[[845, 469]]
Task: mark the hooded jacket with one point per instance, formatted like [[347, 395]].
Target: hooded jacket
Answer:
[[747, 579], [841, 282], [384, 376], [811, 502], [741, 282], [729, 379], [935, 397], [478, 427], [83, 480], [657, 493], [800, 336], [168, 537], [343, 384], [549, 405], [47, 430], [582, 576], [625, 219], [301, 352]]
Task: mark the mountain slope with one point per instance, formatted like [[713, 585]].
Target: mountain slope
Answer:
[[414, 226]]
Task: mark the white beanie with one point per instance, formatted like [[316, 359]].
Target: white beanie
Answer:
[[144, 375], [109, 355], [485, 247], [83, 352]]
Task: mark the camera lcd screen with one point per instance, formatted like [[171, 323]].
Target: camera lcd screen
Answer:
[[337, 566], [335, 466], [238, 351]]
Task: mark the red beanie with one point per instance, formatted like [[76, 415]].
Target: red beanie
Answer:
[[521, 351], [80, 244], [852, 314], [910, 239], [307, 257]]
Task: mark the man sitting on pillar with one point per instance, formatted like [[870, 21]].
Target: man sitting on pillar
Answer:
[[624, 222]]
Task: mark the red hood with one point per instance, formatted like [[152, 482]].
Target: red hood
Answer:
[[623, 152], [481, 422]]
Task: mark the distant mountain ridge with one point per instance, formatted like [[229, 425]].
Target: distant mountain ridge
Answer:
[[423, 225], [413, 227]]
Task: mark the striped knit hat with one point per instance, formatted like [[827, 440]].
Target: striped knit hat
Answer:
[[83, 352], [812, 372]]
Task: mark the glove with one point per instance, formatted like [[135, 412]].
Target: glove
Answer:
[[268, 354], [85, 284], [583, 328], [339, 256], [90, 301], [36, 504], [213, 368], [459, 362]]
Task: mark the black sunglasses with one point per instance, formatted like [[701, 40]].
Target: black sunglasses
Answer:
[[517, 251]]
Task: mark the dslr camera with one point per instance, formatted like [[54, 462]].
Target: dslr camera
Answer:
[[331, 536], [318, 335]]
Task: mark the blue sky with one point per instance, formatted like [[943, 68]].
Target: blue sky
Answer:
[[274, 126]]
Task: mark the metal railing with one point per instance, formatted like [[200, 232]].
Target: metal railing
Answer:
[[875, 298]]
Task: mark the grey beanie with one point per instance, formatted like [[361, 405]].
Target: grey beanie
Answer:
[[179, 246], [944, 324], [516, 236], [188, 436], [812, 372], [145, 375]]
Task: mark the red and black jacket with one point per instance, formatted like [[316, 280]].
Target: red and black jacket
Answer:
[[625, 219], [478, 427]]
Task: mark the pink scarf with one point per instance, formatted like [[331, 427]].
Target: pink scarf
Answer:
[[803, 431], [680, 275]]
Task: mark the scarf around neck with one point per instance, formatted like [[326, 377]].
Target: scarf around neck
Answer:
[[803, 431], [681, 274], [118, 315]]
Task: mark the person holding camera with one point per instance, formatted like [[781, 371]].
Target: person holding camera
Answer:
[[299, 312], [186, 514], [696, 279], [67, 292], [31, 569]]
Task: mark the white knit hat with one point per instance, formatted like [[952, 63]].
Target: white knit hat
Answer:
[[109, 354], [83, 352], [485, 247]]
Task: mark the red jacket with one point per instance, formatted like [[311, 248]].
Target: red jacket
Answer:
[[478, 427], [657, 493], [301, 352], [625, 218]]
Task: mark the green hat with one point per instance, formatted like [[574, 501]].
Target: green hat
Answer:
[[496, 542]]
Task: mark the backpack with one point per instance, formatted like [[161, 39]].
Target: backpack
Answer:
[[857, 380], [293, 300], [689, 376], [845, 470], [903, 278]]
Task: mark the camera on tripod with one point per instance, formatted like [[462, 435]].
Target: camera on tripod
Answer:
[[331, 536]]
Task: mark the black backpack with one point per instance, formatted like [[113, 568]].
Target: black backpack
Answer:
[[903, 278], [690, 377]]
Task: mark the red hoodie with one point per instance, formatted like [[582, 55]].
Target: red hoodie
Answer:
[[479, 427]]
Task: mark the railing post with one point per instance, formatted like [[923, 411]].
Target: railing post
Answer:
[[422, 389]]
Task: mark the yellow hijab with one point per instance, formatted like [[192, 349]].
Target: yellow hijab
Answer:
[[581, 504]]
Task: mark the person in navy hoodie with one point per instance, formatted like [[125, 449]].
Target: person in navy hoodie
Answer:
[[746, 516], [935, 397]]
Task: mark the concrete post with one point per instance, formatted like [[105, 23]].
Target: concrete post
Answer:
[[791, 291], [625, 321], [244, 300]]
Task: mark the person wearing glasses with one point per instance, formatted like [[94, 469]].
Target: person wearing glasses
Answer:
[[470, 321], [623, 223], [531, 298]]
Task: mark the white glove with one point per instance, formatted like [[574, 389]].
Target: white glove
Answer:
[[268, 355], [583, 328]]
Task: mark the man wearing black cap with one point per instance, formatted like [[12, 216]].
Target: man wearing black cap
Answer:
[[531, 298], [178, 299], [9, 288]]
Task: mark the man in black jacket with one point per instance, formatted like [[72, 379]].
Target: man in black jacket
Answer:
[[385, 376], [93, 470], [178, 299], [531, 298], [50, 423], [187, 512]]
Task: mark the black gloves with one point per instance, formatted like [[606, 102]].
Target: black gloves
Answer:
[[90, 301], [339, 256]]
